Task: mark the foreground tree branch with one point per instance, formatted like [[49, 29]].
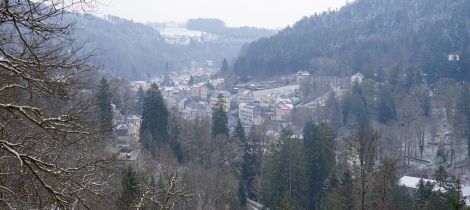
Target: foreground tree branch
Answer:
[[51, 154]]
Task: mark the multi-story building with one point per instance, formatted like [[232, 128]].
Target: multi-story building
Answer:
[[247, 113]]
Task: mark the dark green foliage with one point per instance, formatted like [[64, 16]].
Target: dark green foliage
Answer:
[[224, 67], [239, 133], [285, 203], [154, 128], [423, 193], [319, 145], [355, 105], [286, 174], [463, 106], [103, 99], [130, 188], [386, 107], [191, 80], [219, 118], [400, 31], [174, 132], [242, 193], [401, 199], [210, 86], [252, 152], [347, 191], [140, 100]]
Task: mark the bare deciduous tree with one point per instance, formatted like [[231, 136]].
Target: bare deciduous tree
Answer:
[[48, 147]]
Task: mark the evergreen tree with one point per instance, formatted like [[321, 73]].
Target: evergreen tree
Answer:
[[174, 130], [251, 165], [103, 98], [386, 106], [286, 174], [140, 100], [239, 133], [242, 193], [464, 108], [191, 80], [454, 195], [347, 190], [224, 67], [130, 188], [154, 120], [285, 203], [219, 118], [319, 143], [423, 193]]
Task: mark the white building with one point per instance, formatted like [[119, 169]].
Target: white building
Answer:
[[247, 113], [357, 78], [302, 76]]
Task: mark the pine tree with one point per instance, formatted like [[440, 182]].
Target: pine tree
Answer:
[[154, 120], [174, 130], [320, 147], [103, 98], [219, 118], [386, 106], [130, 188], [191, 80], [251, 165], [239, 133], [464, 108], [242, 193], [224, 67], [347, 190], [286, 174], [423, 193], [140, 100]]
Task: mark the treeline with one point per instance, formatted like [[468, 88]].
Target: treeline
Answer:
[[366, 35], [218, 27]]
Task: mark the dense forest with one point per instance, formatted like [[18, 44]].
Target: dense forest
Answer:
[[367, 35]]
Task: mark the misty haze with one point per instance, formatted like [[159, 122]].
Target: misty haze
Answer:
[[248, 104]]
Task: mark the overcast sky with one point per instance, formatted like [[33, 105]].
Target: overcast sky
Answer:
[[260, 13]]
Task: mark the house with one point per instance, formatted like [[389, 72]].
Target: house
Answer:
[[412, 182], [454, 57], [245, 96], [247, 113], [283, 112], [302, 76], [357, 78]]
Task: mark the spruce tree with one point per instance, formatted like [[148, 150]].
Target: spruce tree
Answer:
[[251, 165], [464, 108], [239, 133], [423, 193], [103, 99], [154, 128], [224, 67], [386, 107], [130, 188], [219, 118], [319, 144], [286, 174], [140, 100], [191, 80]]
